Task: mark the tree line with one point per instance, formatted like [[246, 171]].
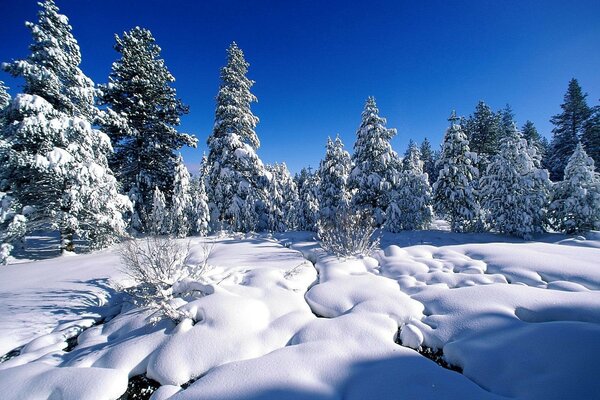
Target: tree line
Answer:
[[101, 162]]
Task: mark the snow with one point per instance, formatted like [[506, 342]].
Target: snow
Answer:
[[521, 319]]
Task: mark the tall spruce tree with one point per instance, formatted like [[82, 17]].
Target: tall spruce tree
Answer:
[[181, 201], [506, 120], [483, 130], [410, 207], [590, 138], [375, 166], [428, 157], [308, 209], [568, 127], [575, 203], [283, 199], [54, 161], [235, 170], [514, 190], [334, 169], [199, 215], [145, 114], [535, 142], [454, 193]]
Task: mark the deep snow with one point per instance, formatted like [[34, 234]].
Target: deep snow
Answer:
[[521, 319]]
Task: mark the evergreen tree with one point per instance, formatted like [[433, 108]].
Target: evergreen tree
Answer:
[[506, 118], [454, 193], [142, 124], [4, 97], [199, 212], [590, 137], [235, 170], [576, 200], [483, 130], [308, 210], [283, 199], [410, 207], [428, 157], [535, 142], [333, 176], [568, 127], [375, 166], [181, 201], [158, 220], [54, 161], [52, 69], [514, 190], [407, 154]]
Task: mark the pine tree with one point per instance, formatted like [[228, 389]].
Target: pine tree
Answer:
[[374, 164], [4, 96], [568, 127], [575, 203], [333, 176], [283, 199], [590, 138], [158, 220], [181, 201], [234, 168], [407, 154], [52, 69], [428, 157], [143, 119], [199, 211], [514, 190], [506, 119], [483, 130], [455, 196], [410, 207], [55, 162], [535, 142], [308, 210]]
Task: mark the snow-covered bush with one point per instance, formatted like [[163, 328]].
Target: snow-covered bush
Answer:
[[351, 234], [161, 270]]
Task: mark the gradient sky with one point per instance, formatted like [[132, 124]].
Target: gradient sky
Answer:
[[315, 62]]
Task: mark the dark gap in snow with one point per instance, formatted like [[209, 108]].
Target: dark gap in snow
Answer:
[[435, 355], [73, 341], [139, 388], [11, 354], [190, 382]]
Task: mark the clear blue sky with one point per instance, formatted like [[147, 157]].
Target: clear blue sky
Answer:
[[315, 62]]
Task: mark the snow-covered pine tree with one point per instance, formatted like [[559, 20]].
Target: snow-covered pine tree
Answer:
[[308, 210], [55, 162], [374, 164], [158, 219], [454, 194], [4, 96], [333, 176], [483, 132], [590, 138], [199, 213], [568, 126], [410, 207], [143, 119], [234, 167], [428, 157], [506, 119], [283, 199], [514, 191], [181, 201], [535, 142], [575, 203]]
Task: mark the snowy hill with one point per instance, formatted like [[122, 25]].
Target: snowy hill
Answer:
[[502, 320]]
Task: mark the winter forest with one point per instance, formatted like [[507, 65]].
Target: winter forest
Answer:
[[465, 270]]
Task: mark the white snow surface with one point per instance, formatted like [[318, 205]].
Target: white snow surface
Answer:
[[521, 319]]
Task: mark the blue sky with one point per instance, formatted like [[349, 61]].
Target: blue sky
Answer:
[[315, 62]]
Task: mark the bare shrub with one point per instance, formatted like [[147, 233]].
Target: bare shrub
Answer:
[[161, 269], [351, 234]]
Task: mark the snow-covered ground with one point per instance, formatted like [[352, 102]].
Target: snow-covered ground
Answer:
[[287, 321]]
